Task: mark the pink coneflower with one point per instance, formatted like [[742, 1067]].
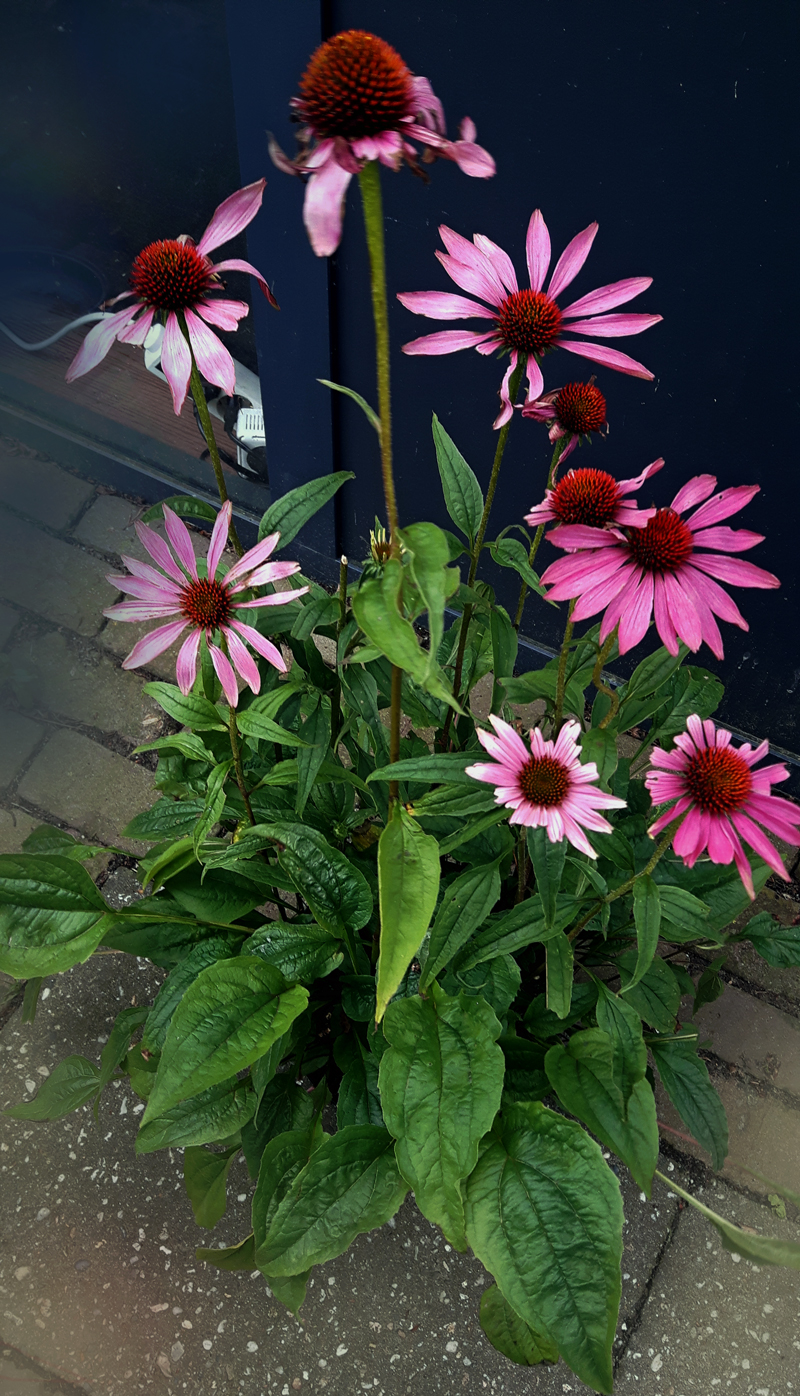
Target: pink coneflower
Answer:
[[359, 102], [526, 322], [201, 602], [545, 784], [662, 567], [574, 411], [173, 277], [715, 786], [594, 498]]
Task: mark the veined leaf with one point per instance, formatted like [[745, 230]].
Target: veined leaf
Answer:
[[685, 1078], [377, 608], [190, 709], [408, 883], [51, 915], [288, 514], [647, 916], [72, 1083], [205, 1176], [464, 906], [761, 1250], [511, 1335], [462, 493]]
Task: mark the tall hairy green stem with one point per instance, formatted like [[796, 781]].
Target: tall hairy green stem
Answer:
[[199, 397], [370, 183], [537, 537], [600, 685], [561, 681], [336, 696]]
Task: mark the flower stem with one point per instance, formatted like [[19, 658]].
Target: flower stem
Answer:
[[522, 865], [203, 413], [561, 681], [238, 766], [537, 537], [602, 687], [660, 849], [336, 696], [370, 183]]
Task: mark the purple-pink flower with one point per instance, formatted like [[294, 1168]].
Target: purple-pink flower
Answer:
[[671, 567], [528, 323], [359, 102], [545, 784], [174, 277], [574, 411], [723, 799], [176, 588], [594, 498]]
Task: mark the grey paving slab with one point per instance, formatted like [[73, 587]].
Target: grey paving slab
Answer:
[[41, 489], [109, 526], [753, 1035], [87, 786], [18, 737], [21, 1378], [743, 960], [713, 1321], [71, 678], [9, 619], [119, 638], [15, 825], [56, 580]]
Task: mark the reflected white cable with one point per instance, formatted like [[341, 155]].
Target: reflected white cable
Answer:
[[54, 338]]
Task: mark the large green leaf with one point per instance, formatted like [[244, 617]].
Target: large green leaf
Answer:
[[657, 995], [300, 952], [359, 1100], [205, 1176], [436, 766], [72, 1083], [51, 915], [761, 1250], [166, 819], [558, 964], [548, 868], [427, 558], [647, 917], [213, 1114], [350, 1185], [441, 1082], [465, 905], [206, 953], [508, 932], [283, 1106], [685, 1078], [232, 1012], [256, 724], [408, 887], [543, 683], [189, 709], [544, 1215], [462, 493], [511, 1335], [283, 1159], [288, 514], [316, 735], [240, 1257], [336, 892], [377, 606], [778, 945]]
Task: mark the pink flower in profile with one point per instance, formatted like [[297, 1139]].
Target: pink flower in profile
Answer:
[[545, 784], [201, 602], [174, 277], [724, 800], [671, 566], [528, 322], [359, 102], [574, 411], [594, 498]]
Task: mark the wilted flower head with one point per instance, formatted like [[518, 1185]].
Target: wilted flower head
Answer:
[[359, 102], [574, 411], [172, 278], [176, 588], [724, 800], [594, 498]]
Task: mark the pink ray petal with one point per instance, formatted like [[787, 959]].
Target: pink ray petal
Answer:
[[611, 326], [727, 540], [636, 616], [176, 361], [628, 486], [662, 617], [481, 280], [213, 359], [146, 572], [605, 594], [507, 408], [322, 208], [499, 259], [261, 644], [280, 598], [159, 551], [251, 559], [583, 536], [154, 644], [608, 297], [537, 251], [270, 572], [535, 381], [735, 571], [242, 660], [489, 345], [441, 305], [219, 538], [445, 342], [722, 505], [693, 492], [759, 841], [186, 664], [98, 342], [571, 261], [611, 358], [708, 625], [138, 330], [181, 540], [468, 255], [224, 673], [238, 264], [138, 610], [233, 214], [225, 314], [161, 593], [682, 612], [715, 598]]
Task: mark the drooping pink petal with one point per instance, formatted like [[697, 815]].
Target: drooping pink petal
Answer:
[[537, 251], [233, 214], [683, 614], [213, 359], [261, 644], [693, 492], [225, 314], [445, 342], [181, 540], [735, 571], [146, 572], [499, 259], [612, 326], [150, 646], [186, 664], [571, 261], [662, 617], [269, 572], [161, 593], [242, 660], [612, 358], [137, 331], [138, 610], [176, 361], [722, 505], [219, 537], [279, 598], [98, 342], [608, 297], [628, 486], [708, 626], [727, 540], [715, 598], [442, 305], [489, 345], [759, 841], [593, 599], [507, 408], [239, 264], [159, 551], [535, 381], [224, 673], [583, 536], [322, 208]]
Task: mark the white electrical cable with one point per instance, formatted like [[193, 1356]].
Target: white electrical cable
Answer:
[[45, 343]]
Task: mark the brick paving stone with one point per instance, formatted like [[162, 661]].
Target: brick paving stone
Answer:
[[69, 677], [109, 526], [8, 620], [56, 580], [18, 737], [119, 638], [42, 490], [753, 1035], [88, 787]]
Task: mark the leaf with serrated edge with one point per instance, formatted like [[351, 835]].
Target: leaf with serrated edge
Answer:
[[544, 1215], [441, 1082], [408, 886]]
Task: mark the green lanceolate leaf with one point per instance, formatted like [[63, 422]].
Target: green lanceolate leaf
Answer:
[[184, 742], [436, 766], [288, 514], [284, 1106], [337, 894], [511, 1335], [302, 953], [206, 953], [462, 493], [185, 505], [778, 945], [511, 552], [377, 608], [166, 819], [427, 557], [253, 723], [504, 652], [647, 916], [600, 746], [369, 412], [464, 906], [119, 1040], [190, 709], [582, 1074], [283, 1158], [558, 952], [241, 1257], [548, 869], [685, 1079], [544, 1215], [359, 1101], [441, 1082], [213, 804], [761, 1250], [350, 1185], [542, 683], [316, 735], [46, 838], [214, 1114], [51, 915], [657, 995], [205, 1176], [73, 1083], [682, 911], [228, 1017], [408, 886], [507, 933]]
